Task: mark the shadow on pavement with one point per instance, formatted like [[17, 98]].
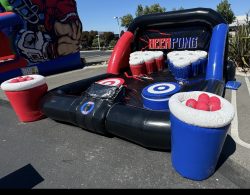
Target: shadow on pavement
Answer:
[[228, 149], [24, 178]]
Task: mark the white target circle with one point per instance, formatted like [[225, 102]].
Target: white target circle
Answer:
[[108, 83], [161, 88], [111, 82]]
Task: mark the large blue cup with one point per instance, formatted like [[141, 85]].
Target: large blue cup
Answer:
[[196, 149]]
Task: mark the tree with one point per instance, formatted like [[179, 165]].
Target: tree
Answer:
[[224, 8], [85, 39], [107, 37], [126, 20], [155, 8], [92, 36], [112, 43], [96, 44], [139, 11], [146, 10]]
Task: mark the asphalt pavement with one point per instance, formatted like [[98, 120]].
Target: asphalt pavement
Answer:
[[47, 154], [95, 57], [240, 127]]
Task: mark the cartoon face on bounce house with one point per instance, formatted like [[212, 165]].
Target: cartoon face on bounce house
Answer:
[[39, 37], [160, 55]]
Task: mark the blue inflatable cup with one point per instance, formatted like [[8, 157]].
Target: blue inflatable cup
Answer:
[[196, 64], [203, 60], [170, 58], [182, 68], [197, 136]]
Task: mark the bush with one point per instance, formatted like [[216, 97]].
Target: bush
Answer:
[[112, 44], [239, 47]]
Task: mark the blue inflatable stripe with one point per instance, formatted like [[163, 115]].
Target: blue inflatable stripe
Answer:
[[59, 65], [10, 74], [8, 20], [217, 52]]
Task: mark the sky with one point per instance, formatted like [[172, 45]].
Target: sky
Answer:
[[99, 14]]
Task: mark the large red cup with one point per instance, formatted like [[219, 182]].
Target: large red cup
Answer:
[[150, 62], [25, 97], [137, 66], [159, 60]]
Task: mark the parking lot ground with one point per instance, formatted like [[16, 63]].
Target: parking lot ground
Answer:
[[240, 128], [64, 156]]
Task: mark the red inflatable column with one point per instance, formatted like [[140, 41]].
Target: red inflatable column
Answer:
[[120, 56], [24, 94]]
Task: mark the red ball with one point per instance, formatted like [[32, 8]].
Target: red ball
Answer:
[[22, 80], [191, 103], [214, 106], [14, 81], [215, 99], [202, 106], [28, 78], [204, 98]]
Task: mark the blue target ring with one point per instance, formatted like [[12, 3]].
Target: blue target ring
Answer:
[[156, 96], [161, 90], [87, 108]]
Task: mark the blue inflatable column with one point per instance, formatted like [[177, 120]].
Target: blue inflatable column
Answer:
[[217, 52]]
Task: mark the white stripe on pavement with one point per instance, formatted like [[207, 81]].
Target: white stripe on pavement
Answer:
[[248, 84], [235, 124]]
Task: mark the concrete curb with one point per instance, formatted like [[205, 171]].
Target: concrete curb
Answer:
[[96, 66], [89, 51]]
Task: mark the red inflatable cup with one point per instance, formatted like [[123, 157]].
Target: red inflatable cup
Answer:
[[137, 66], [150, 62], [159, 60], [24, 94], [136, 54]]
